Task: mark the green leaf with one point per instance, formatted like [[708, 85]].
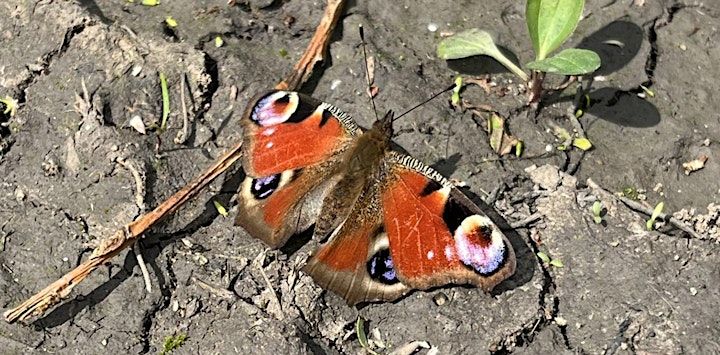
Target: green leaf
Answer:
[[475, 42], [456, 90], [556, 263], [172, 343], [171, 22], [11, 105], [220, 208], [656, 213], [550, 23], [597, 210], [151, 2], [496, 129], [545, 259], [582, 143], [165, 101], [362, 338], [571, 61], [218, 41], [519, 148]]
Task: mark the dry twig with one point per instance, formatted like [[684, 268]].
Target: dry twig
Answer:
[[124, 238]]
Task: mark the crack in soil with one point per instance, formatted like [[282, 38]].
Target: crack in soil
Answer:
[[36, 70], [548, 308], [166, 290]]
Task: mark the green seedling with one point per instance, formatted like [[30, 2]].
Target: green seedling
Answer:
[[648, 92], [456, 91], [630, 192], [362, 337], [173, 343], [11, 105], [550, 23], [171, 22], [597, 212], [165, 101], [220, 208], [582, 143], [219, 41], [650, 224], [151, 2], [552, 262]]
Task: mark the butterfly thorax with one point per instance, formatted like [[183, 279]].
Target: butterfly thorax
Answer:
[[368, 151]]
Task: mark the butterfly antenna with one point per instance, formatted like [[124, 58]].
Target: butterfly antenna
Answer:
[[424, 102], [367, 71]]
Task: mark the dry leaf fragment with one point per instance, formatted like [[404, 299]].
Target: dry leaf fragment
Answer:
[[137, 123], [695, 164], [500, 141]]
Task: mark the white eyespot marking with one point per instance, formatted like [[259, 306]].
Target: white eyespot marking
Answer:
[[269, 145], [479, 244], [275, 108], [430, 255], [268, 131]]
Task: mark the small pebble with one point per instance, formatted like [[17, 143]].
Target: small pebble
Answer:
[[432, 27], [693, 291]]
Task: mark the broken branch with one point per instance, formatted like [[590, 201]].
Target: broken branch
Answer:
[[124, 238]]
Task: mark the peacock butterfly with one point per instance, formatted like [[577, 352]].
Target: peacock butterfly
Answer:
[[392, 224]]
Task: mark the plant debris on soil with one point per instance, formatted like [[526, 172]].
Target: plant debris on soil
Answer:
[[608, 285]]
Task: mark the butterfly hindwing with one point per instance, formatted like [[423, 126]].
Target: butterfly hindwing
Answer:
[[437, 235], [410, 229], [292, 147]]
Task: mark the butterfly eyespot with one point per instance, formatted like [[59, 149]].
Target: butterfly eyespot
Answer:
[[263, 187], [275, 108], [380, 267], [479, 246]]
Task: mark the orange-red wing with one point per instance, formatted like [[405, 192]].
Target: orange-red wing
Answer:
[[354, 261], [436, 235], [288, 131]]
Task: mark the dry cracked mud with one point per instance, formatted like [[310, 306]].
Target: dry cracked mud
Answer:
[[622, 289]]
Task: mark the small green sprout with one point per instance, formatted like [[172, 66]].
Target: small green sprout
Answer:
[[550, 23], [552, 262], [582, 143], [362, 337], [173, 343], [171, 22], [597, 212], [519, 148], [648, 92], [11, 105], [151, 2], [283, 52], [630, 192], [456, 91], [219, 41], [220, 208], [656, 213], [543, 257], [165, 101]]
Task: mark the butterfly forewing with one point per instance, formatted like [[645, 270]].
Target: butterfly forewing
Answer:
[[292, 146]]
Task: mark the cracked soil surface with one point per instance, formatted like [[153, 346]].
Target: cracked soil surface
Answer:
[[622, 289]]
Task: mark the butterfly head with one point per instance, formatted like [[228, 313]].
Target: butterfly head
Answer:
[[383, 126]]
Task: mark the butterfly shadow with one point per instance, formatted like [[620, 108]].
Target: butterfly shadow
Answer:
[[153, 245]]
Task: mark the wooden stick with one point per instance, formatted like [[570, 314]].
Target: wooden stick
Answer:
[[316, 50], [53, 294]]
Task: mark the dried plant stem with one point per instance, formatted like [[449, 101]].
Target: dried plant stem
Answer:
[[124, 238]]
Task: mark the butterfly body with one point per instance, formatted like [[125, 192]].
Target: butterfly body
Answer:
[[391, 223]]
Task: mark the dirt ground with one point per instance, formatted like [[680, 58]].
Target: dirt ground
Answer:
[[622, 289]]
